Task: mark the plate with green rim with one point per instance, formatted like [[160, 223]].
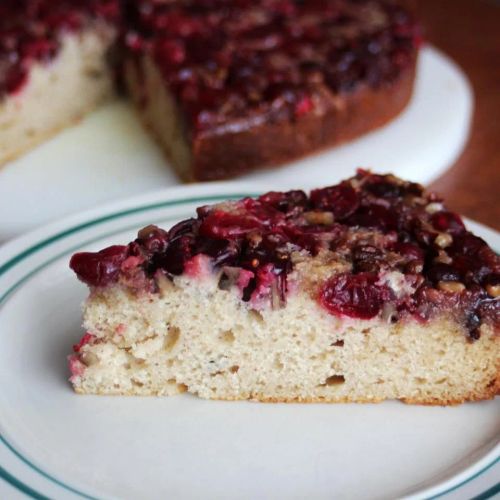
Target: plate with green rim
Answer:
[[55, 444]]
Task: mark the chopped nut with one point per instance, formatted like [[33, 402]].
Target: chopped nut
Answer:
[[89, 358], [434, 207], [324, 218], [443, 258], [451, 286], [443, 240], [297, 256], [493, 290], [146, 231], [414, 267]]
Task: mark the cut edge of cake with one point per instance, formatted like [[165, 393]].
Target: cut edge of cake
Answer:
[[197, 338]]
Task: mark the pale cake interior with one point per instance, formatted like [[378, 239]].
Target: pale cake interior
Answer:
[[194, 336]]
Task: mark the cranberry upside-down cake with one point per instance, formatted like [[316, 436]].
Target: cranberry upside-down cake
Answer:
[[363, 291], [225, 86]]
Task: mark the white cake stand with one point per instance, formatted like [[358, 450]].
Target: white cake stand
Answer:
[[108, 155]]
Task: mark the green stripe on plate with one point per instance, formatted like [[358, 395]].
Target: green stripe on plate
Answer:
[[20, 486]]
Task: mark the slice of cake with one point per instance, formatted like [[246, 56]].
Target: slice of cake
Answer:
[[228, 86], [54, 66], [363, 291]]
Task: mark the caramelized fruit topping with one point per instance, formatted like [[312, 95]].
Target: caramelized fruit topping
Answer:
[[379, 225], [233, 59]]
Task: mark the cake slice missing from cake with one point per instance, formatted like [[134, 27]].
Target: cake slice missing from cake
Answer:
[[363, 291]]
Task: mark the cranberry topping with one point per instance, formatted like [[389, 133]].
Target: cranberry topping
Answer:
[[100, 268], [443, 272], [227, 60], [357, 296], [409, 251], [400, 251], [285, 202], [376, 216], [342, 200], [448, 221], [30, 31], [221, 224]]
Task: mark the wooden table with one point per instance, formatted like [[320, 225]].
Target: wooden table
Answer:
[[469, 32]]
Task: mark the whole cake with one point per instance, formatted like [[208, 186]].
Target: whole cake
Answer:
[[54, 66], [363, 291], [225, 86]]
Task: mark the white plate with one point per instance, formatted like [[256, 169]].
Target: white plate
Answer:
[[109, 155], [59, 445]]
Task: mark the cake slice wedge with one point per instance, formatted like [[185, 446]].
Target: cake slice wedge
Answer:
[[363, 291]]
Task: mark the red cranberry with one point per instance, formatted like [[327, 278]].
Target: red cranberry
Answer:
[[134, 41], [88, 337], [375, 216], [170, 52], [467, 244], [285, 7], [384, 189], [356, 296], [220, 224], [154, 241], [342, 200], [285, 202], [303, 106], [443, 272], [223, 252], [15, 80], [177, 253], [408, 250], [448, 221], [40, 49], [188, 226], [99, 268], [473, 270]]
